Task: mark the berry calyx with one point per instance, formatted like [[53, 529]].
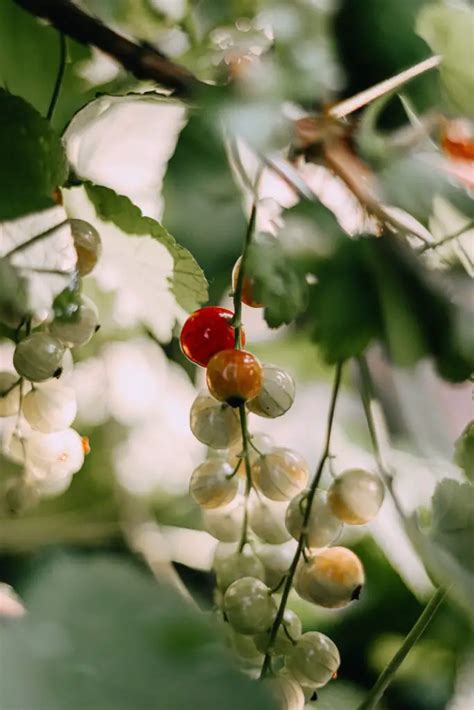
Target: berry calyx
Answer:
[[331, 578], [206, 332], [247, 286], [356, 496], [234, 376]]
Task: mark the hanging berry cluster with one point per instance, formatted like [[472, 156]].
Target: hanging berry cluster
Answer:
[[43, 408], [276, 529]]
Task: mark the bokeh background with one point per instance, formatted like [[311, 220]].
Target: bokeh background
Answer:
[[78, 557]]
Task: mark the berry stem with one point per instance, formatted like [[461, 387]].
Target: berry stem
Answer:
[[59, 76], [36, 238], [237, 319], [301, 542], [387, 675], [434, 245], [248, 473]]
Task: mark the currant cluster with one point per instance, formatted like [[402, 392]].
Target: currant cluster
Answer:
[[41, 407], [255, 498]]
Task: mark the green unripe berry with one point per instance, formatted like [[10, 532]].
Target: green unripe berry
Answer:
[[249, 606], [38, 357]]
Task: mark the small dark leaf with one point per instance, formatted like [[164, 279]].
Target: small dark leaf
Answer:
[[33, 162], [278, 283]]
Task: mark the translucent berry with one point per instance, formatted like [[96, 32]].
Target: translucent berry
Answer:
[[332, 578], [356, 496], [249, 606], [38, 357], [323, 526], [225, 524], [211, 485], [234, 376], [280, 474], [277, 393], [245, 648], [287, 692], [287, 635], [247, 286], [214, 423], [314, 659], [87, 243], [207, 332], [276, 560], [50, 407], [74, 333], [9, 394], [230, 566], [53, 456], [267, 520]]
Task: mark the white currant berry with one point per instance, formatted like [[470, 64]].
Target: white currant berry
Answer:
[[323, 526], [287, 692], [78, 331], [9, 394], [249, 606], [331, 578], [277, 393], [225, 524], [280, 474], [55, 455], [87, 244], [38, 357], [229, 566], [244, 647], [50, 407], [288, 633], [356, 496], [314, 660], [212, 484], [267, 520], [214, 423], [276, 560]]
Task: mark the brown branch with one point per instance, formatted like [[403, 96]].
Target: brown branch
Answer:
[[143, 62]]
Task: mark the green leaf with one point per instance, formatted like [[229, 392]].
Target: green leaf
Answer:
[[464, 451], [449, 30], [277, 282], [103, 635], [13, 295], [453, 521], [33, 162], [189, 284], [375, 289]]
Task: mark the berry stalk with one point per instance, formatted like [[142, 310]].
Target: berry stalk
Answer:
[[237, 319], [387, 675], [248, 473], [302, 539], [59, 77]]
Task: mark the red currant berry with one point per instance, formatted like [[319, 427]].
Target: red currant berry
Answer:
[[234, 376], [247, 287], [207, 332]]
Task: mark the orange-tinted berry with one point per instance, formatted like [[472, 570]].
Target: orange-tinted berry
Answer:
[[234, 376], [247, 287], [458, 140]]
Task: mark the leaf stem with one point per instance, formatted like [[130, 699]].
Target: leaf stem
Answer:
[[434, 245], [59, 77], [387, 675], [301, 542], [344, 108], [248, 472]]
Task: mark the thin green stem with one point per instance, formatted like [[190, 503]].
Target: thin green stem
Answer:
[[59, 76], [387, 675], [301, 542], [6, 392], [248, 472], [237, 319], [445, 240]]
